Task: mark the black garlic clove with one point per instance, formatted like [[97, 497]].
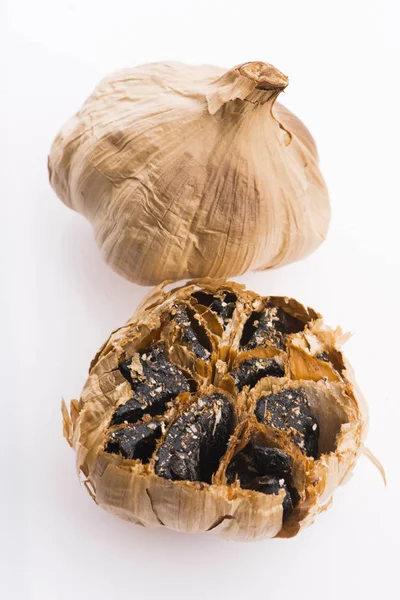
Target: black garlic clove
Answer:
[[269, 327], [272, 461], [196, 440], [264, 470], [135, 441], [223, 306], [250, 371], [160, 382], [193, 333], [290, 410]]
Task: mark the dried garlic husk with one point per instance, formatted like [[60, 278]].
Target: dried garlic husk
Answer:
[[215, 409], [191, 171]]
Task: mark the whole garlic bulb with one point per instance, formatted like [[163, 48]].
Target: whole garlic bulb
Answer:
[[190, 171], [216, 409]]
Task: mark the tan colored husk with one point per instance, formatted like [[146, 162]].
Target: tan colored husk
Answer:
[[189, 171], [132, 491]]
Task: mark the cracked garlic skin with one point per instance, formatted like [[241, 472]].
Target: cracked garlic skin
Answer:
[[218, 410], [190, 171]]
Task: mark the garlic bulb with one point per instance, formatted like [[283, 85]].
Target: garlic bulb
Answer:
[[192, 171], [218, 410]]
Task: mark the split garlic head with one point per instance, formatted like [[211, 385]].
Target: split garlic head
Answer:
[[190, 171], [218, 410]]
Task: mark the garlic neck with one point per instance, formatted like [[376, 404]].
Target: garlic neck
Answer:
[[255, 82]]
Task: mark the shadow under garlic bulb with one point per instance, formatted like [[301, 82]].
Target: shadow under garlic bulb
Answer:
[[218, 410], [190, 171]]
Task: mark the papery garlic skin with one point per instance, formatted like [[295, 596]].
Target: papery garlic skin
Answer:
[[187, 171]]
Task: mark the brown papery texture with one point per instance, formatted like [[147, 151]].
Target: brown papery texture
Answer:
[[228, 326], [190, 171]]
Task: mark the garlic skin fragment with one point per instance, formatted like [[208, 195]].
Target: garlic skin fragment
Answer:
[[190, 171]]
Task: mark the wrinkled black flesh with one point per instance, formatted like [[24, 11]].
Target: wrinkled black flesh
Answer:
[[194, 334], [272, 461], [289, 409], [265, 470], [250, 371], [161, 381], [135, 441], [269, 327], [197, 440], [223, 307]]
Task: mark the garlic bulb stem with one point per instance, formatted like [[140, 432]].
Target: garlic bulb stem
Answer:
[[256, 82]]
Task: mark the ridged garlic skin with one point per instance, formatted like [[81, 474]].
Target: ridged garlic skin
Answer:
[[187, 171]]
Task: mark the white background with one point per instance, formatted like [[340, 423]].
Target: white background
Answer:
[[59, 301]]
